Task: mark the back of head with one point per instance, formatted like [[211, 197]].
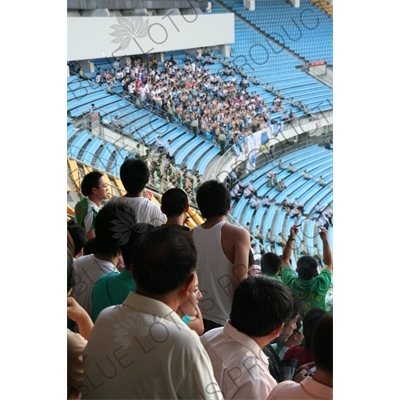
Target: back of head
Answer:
[[270, 263], [164, 258], [310, 321], [260, 305], [78, 235], [306, 267], [213, 199], [133, 234], [174, 202], [90, 181], [90, 247], [134, 175], [112, 227], [322, 344]]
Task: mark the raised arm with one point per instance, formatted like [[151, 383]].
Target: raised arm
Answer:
[[287, 250], [326, 250]]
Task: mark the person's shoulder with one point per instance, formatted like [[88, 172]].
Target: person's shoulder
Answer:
[[285, 388], [324, 272], [106, 277], [82, 261], [188, 340], [287, 270], [237, 230], [212, 333], [82, 201]]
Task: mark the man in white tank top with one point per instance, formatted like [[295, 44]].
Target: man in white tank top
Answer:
[[222, 254]]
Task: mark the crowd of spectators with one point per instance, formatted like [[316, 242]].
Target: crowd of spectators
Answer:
[[166, 174], [208, 104], [198, 287], [200, 300]]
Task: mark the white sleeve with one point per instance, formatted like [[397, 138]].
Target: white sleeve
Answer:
[[199, 381], [88, 221]]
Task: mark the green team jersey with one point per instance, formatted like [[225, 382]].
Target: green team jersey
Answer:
[[85, 213], [313, 291]]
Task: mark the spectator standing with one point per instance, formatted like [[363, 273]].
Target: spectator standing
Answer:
[[235, 350], [95, 191], [311, 286], [135, 174], [222, 249]]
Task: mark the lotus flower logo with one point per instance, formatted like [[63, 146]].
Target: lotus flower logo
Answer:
[[128, 29], [129, 327]]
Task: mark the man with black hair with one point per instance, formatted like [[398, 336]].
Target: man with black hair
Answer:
[[104, 261], [223, 251], [273, 348], [311, 286], [141, 348], [175, 205], [95, 190], [113, 288], [78, 235], [259, 309], [135, 174], [270, 265], [320, 384]]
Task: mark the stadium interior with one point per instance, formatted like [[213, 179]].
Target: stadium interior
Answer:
[[280, 55]]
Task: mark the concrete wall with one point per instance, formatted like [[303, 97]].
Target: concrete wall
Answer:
[[90, 38]]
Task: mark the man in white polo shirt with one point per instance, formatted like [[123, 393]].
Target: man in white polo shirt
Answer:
[[260, 308], [141, 349]]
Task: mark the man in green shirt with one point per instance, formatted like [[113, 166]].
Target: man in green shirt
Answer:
[[95, 191], [310, 286]]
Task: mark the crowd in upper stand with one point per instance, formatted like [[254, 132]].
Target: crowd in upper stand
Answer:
[[204, 102]]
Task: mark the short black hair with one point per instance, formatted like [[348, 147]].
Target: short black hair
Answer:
[[134, 175], [70, 271], [270, 263], [306, 267], [90, 247], [213, 199], [174, 202], [112, 227], [78, 235], [164, 258], [90, 181], [127, 249], [260, 305], [322, 343]]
